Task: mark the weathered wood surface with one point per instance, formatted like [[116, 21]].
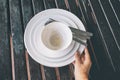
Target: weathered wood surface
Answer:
[[100, 17], [17, 40], [5, 60], [34, 71]]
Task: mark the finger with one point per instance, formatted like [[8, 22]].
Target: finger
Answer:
[[82, 57], [87, 57], [73, 62], [77, 57]]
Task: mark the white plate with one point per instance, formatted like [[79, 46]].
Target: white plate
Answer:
[[37, 40], [37, 50], [37, 45]]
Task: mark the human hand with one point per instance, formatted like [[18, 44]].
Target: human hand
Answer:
[[82, 65]]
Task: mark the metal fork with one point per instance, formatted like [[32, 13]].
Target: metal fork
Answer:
[[78, 35]]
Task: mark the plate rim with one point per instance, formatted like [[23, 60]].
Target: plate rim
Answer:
[[55, 65]]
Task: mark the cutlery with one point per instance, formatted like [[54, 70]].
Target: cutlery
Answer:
[[78, 35]]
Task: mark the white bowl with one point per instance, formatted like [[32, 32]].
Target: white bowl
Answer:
[[56, 36]]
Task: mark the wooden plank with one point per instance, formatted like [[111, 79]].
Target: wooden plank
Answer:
[[112, 20], [34, 72], [86, 10], [93, 55], [113, 9], [83, 9], [61, 4], [96, 40], [97, 32], [49, 4], [90, 21], [64, 73], [107, 36], [38, 5], [26, 11], [106, 75], [5, 60], [17, 38], [35, 69], [115, 4], [75, 9], [50, 73], [105, 58], [115, 30], [67, 5]]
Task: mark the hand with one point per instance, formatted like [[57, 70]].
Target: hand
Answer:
[[82, 65]]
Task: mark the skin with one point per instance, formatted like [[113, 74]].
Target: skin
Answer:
[[82, 65]]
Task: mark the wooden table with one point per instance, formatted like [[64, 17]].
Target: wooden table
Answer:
[[101, 17]]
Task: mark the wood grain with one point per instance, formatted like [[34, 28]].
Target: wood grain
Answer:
[[64, 73], [50, 73], [61, 4], [49, 4], [67, 5], [28, 10], [17, 38], [106, 34], [5, 59]]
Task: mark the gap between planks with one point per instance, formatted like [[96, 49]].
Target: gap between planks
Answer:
[[42, 72], [57, 73], [27, 65], [12, 58]]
